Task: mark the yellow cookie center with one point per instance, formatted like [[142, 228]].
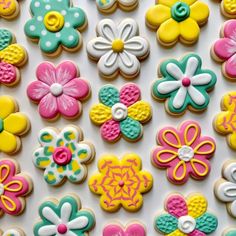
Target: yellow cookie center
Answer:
[[118, 45], [54, 21]]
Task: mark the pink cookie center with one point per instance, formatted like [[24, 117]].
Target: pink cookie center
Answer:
[[62, 156], [121, 183], [62, 228], [186, 82]]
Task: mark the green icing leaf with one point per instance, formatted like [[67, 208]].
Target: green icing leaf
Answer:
[[109, 95], [166, 223], [5, 38], [207, 223], [130, 128]]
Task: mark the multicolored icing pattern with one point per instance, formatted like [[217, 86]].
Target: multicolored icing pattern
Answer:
[[120, 182], [118, 48], [55, 24], [225, 187], [184, 84], [9, 9], [224, 49], [64, 217], [14, 187], [120, 113], [177, 19], [12, 232], [63, 155], [13, 124], [228, 8], [229, 232], [12, 55], [184, 152], [225, 121], [186, 217], [58, 90], [133, 229]]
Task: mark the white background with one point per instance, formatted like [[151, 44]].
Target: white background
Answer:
[[153, 201]]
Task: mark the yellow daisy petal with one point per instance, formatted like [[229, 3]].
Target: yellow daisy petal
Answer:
[[197, 205], [189, 2], [177, 232], [8, 142], [168, 3], [199, 11], [7, 106], [189, 30], [111, 159], [100, 113], [130, 159]]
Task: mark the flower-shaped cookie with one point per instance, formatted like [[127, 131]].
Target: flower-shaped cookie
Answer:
[[63, 155], [228, 8], [183, 152], [224, 49], [64, 217], [225, 187], [58, 90], [12, 232], [55, 25], [224, 123], [13, 124], [120, 113], [13, 188], [118, 48], [9, 9], [177, 19], [229, 232], [12, 55], [184, 84], [186, 217], [120, 182]]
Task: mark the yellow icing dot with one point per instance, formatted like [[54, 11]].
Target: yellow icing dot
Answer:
[[54, 21], [118, 45]]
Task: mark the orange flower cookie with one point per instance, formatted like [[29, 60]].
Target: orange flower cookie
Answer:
[[9, 9], [121, 182]]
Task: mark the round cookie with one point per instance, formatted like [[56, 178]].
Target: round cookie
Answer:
[[228, 8], [9, 9], [63, 155], [12, 232], [58, 90], [184, 85], [229, 232], [118, 49]]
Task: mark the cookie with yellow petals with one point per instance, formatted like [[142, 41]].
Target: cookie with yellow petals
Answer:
[[13, 124], [228, 8], [177, 20], [9, 9]]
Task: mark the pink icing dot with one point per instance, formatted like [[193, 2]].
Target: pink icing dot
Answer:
[[186, 82], [121, 183], [62, 156], [62, 228]]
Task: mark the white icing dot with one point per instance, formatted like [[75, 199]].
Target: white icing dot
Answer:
[[37, 4], [67, 24], [48, 43], [1, 189], [32, 28], [119, 111], [56, 89], [63, 12], [186, 153], [58, 35], [43, 32], [59, 0], [186, 224], [39, 18], [76, 15], [47, 7], [71, 38]]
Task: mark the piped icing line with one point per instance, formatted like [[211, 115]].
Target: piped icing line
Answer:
[[9, 9]]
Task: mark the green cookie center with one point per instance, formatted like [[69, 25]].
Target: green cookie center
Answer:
[[180, 11], [1, 125]]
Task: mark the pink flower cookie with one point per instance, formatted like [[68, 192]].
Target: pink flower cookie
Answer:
[[224, 49], [58, 90], [183, 152], [13, 188]]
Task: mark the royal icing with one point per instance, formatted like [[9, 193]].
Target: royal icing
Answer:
[[184, 83], [64, 218], [184, 152], [13, 124], [14, 188], [225, 121], [9, 9], [228, 8], [229, 232], [177, 20], [58, 90], [63, 155], [133, 229], [11, 57], [120, 182], [12, 232], [120, 113], [55, 24], [225, 188], [118, 48], [186, 216], [224, 49]]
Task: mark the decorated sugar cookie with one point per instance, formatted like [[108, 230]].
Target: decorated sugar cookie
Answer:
[[186, 216], [184, 84], [183, 152], [58, 90], [55, 24], [120, 182], [228, 8], [229, 232], [118, 48], [12, 232], [9, 9], [63, 155], [14, 187], [13, 124], [224, 51], [131, 229], [120, 113], [64, 217], [177, 20], [225, 122], [225, 187], [12, 56], [109, 6]]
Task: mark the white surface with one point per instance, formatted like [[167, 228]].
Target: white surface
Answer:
[[153, 201]]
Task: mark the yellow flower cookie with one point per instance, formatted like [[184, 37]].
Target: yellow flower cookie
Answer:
[[120, 182], [177, 20], [228, 8], [9, 9], [12, 125]]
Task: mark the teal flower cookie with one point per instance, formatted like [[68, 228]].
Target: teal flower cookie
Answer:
[[184, 84], [55, 24], [64, 218], [229, 232]]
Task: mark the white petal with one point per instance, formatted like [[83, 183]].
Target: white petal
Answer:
[[47, 132], [201, 79], [196, 96], [50, 215], [168, 86], [78, 223], [47, 230], [83, 146], [73, 131], [107, 29], [191, 67], [226, 192], [174, 71], [127, 29], [179, 99], [229, 172], [66, 210], [233, 208], [70, 233]]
